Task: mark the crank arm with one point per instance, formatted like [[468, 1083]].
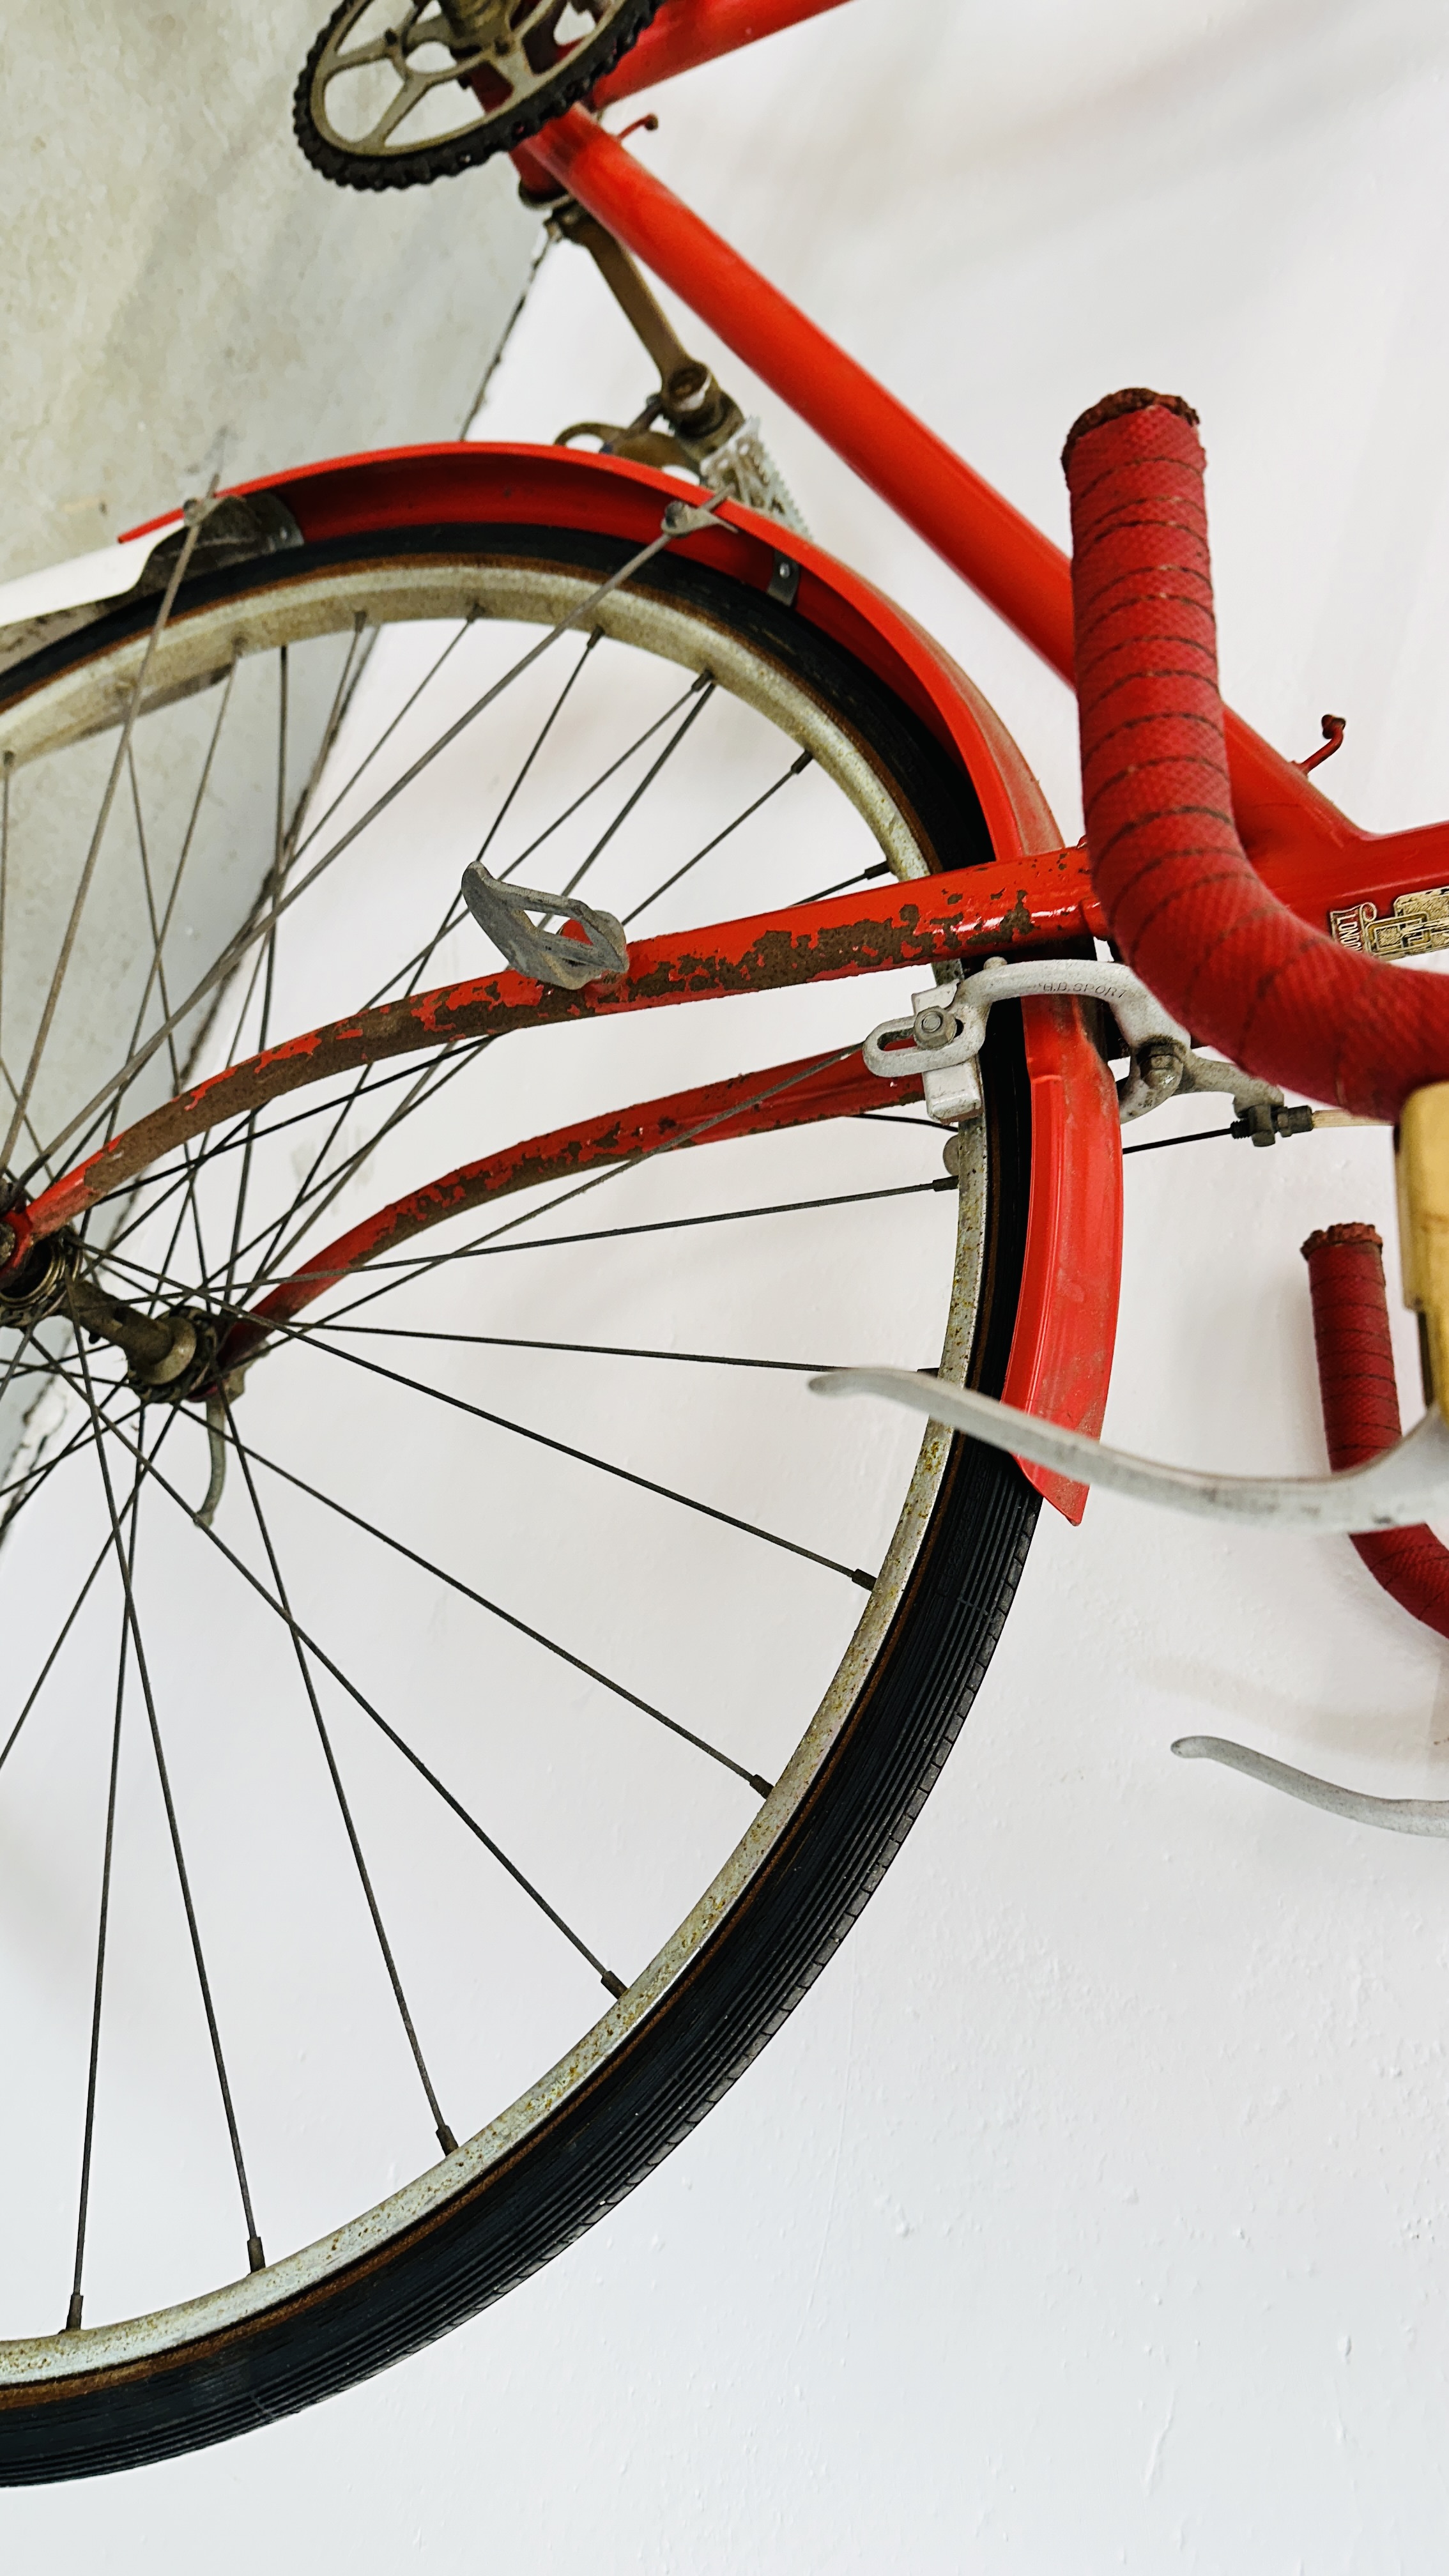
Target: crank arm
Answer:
[[1407, 1484]]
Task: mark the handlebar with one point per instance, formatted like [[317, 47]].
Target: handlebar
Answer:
[[1186, 908]]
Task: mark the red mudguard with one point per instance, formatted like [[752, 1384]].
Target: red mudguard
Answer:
[[1061, 1357]]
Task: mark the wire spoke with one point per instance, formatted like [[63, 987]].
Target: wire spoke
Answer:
[[796, 769], [509, 1618], [145, 1468], [260, 927], [604, 1466], [17, 1365], [357, 650], [77, 2299], [158, 975], [42, 1161], [404, 711], [536, 746], [862, 876], [88, 868], [617, 1233], [445, 2137], [1158, 1144], [44, 1674], [702, 691], [602, 780], [148, 1468], [255, 2256], [158, 937], [894, 1118], [582, 1350], [27, 1485], [269, 954], [144, 1277]]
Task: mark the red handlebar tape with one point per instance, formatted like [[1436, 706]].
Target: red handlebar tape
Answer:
[[1361, 1405], [1186, 908]]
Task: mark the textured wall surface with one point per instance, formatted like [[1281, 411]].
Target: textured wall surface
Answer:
[[182, 296], [1091, 2213]]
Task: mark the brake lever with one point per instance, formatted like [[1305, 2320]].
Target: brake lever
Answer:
[[1395, 1815], [1401, 1487]]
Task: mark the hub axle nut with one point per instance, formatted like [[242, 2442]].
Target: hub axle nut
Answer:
[[172, 1362]]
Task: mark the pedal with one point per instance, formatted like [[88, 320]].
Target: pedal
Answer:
[[590, 949]]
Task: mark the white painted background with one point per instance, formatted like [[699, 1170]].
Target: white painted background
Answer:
[[181, 296], [1090, 2214]]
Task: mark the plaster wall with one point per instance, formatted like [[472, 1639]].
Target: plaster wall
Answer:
[[181, 300], [1090, 2214], [181, 296]]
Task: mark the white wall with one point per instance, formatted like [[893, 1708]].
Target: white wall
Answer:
[[181, 295], [1090, 2214]]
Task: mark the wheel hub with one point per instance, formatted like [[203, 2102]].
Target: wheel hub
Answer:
[[170, 1354]]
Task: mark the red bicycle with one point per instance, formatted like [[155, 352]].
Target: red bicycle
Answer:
[[342, 1858]]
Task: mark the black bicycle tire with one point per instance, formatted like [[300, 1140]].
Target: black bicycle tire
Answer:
[[746, 1979], [569, 87]]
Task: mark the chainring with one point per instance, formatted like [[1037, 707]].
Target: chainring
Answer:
[[519, 74]]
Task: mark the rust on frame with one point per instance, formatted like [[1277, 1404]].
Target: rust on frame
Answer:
[[715, 1113], [927, 921]]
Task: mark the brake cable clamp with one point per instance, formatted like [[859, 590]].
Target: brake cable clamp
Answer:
[[943, 1040]]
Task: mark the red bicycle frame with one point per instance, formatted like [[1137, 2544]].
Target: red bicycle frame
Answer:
[[1310, 854]]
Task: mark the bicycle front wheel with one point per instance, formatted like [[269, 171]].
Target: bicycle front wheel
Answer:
[[486, 1623]]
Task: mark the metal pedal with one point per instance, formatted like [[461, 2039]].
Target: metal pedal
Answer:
[[507, 913]]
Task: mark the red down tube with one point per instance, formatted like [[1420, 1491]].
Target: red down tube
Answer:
[[999, 551], [1186, 908], [1025, 578], [689, 32]]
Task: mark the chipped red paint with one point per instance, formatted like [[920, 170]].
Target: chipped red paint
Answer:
[[748, 1104], [466, 484], [926, 921], [1310, 855]]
